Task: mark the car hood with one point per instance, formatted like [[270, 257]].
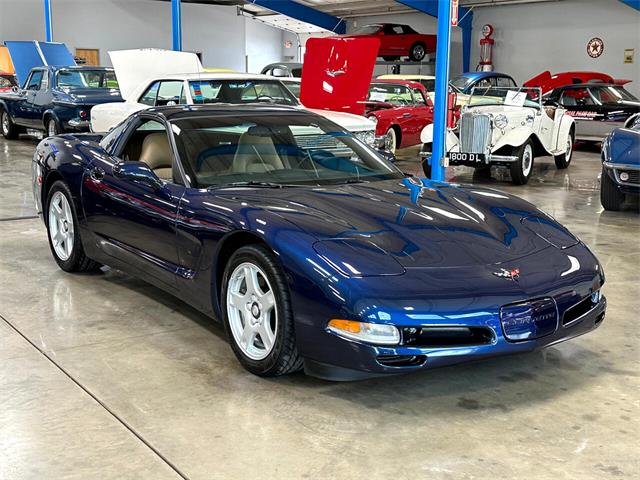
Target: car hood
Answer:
[[418, 222], [348, 121], [133, 67]]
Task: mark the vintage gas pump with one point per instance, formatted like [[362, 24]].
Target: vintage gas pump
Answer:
[[486, 49]]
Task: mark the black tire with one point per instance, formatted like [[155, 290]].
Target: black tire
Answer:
[[283, 357], [390, 58], [426, 166], [521, 169], [610, 196], [482, 172], [51, 127], [417, 52], [564, 160], [10, 130], [77, 260]]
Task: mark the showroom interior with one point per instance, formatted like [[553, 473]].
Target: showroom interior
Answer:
[[338, 239]]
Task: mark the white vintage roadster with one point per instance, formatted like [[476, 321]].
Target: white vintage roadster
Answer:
[[507, 127]]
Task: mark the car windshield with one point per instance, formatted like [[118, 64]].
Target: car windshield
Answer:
[[87, 79], [241, 91], [610, 95], [510, 97], [274, 149], [294, 87], [390, 93], [460, 82], [367, 30]]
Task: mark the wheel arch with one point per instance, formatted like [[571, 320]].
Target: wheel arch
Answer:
[[227, 246], [398, 131], [52, 177], [49, 114]]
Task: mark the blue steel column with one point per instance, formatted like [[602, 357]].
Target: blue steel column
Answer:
[[176, 23], [47, 21], [442, 88]]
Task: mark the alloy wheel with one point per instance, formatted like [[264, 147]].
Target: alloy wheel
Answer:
[[418, 52], [251, 307], [61, 228], [51, 128]]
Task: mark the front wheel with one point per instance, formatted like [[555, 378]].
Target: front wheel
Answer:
[[9, 129], [426, 166], [563, 160], [64, 234], [522, 167], [391, 140], [610, 196], [257, 313], [418, 52]]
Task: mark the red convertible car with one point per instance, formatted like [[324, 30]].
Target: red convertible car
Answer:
[[548, 82], [401, 109], [398, 41], [7, 81]]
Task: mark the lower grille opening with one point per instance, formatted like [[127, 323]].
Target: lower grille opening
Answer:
[[401, 360], [578, 310], [446, 336]]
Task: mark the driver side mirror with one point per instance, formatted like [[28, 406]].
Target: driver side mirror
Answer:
[[137, 172], [15, 89]]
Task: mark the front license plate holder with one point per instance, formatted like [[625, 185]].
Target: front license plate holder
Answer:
[[466, 158]]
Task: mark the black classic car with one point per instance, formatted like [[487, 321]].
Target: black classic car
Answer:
[[56, 99], [598, 108]]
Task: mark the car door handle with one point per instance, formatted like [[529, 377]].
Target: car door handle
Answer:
[[406, 115], [97, 173]]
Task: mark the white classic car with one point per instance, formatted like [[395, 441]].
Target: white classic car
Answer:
[[154, 77], [507, 127]]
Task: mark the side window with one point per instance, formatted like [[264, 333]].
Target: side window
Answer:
[[149, 143], [279, 72], [169, 93], [149, 97], [484, 83], [34, 80], [418, 97], [576, 97], [504, 82]]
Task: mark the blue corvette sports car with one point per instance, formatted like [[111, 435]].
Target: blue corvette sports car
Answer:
[[621, 165], [312, 250]]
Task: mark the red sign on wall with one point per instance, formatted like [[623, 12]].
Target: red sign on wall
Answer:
[[454, 13]]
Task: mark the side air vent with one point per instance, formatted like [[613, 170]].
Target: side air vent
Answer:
[[401, 360]]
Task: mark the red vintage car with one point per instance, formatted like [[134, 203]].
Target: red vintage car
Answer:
[[398, 41], [547, 82], [401, 109], [7, 81]]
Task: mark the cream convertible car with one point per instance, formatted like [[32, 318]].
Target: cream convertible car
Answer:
[[507, 127]]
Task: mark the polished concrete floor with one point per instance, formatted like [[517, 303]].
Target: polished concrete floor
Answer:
[[104, 377]]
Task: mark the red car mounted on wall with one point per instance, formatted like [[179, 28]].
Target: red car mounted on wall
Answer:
[[398, 41]]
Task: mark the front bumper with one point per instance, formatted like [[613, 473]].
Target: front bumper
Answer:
[[359, 360], [632, 184]]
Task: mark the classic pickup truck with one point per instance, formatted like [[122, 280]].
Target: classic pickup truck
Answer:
[[56, 99]]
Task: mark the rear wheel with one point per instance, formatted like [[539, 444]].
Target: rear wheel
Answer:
[[10, 130], [257, 313], [563, 160], [523, 166], [418, 52], [52, 127], [610, 196], [64, 234]]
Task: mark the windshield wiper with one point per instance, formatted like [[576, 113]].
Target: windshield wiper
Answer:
[[252, 183]]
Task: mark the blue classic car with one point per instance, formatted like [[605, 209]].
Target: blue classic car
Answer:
[[464, 83], [313, 250], [621, 165], [56, 99]]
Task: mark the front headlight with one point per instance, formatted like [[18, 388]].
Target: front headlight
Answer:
[[501, 121], [366, 136], [376, 333], [373, 118]]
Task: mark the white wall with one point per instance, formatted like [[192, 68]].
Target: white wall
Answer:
[[223, 37], [553, 36]]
